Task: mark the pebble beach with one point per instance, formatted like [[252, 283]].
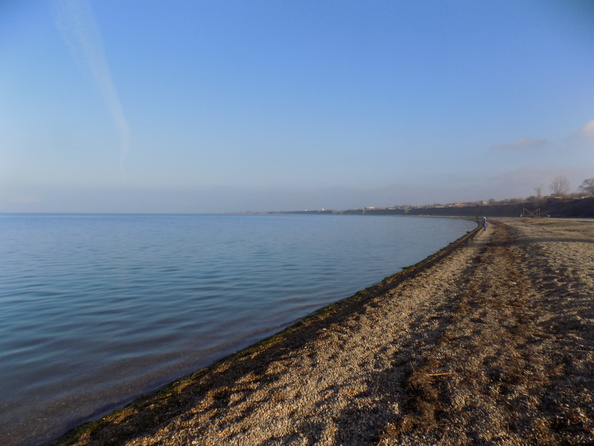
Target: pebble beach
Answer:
[[489, 341]]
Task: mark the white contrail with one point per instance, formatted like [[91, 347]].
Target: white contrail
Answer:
[[76, 23]]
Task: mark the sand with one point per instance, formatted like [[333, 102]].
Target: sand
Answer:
[[489, 342]]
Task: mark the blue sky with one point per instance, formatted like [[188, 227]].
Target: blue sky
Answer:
[[222, 106]]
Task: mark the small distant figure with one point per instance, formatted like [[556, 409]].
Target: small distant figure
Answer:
[[484, 223]]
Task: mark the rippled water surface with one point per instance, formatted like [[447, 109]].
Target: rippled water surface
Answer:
[[98, 309]]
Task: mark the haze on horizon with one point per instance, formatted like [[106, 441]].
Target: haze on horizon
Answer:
[[201, 106]]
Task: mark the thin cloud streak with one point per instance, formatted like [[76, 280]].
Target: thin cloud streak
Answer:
[[77, 25]]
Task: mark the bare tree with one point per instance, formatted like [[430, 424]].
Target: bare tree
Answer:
[[559, 185], [536, 200], [587, 186]]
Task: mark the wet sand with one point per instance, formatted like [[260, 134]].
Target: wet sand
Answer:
[[489, 342]]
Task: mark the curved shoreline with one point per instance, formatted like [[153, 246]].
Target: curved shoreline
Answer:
[[386, 365], [345, 305]]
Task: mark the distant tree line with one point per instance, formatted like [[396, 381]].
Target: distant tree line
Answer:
[[560, 188], [587, 187]]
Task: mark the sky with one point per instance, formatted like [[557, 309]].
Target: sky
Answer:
[[146, 106]]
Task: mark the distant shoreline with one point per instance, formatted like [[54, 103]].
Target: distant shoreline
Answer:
[[555, 207], [549, 207]]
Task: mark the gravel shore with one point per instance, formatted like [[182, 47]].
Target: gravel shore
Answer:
[[488, 343]]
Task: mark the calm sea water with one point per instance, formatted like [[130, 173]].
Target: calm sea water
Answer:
[[98, 309]]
